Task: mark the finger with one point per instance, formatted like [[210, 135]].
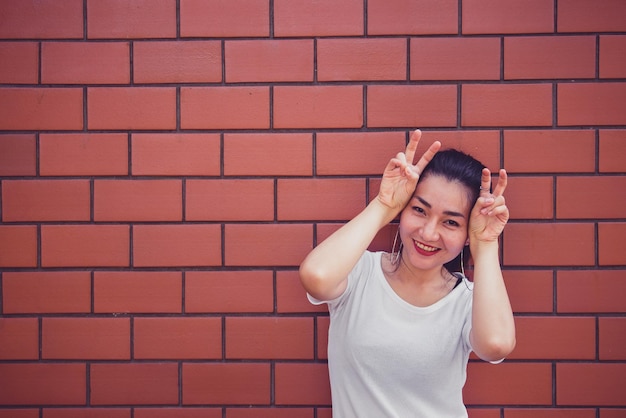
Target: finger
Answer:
[[428, 155], [502, 182], [412, 146], [485, 183]]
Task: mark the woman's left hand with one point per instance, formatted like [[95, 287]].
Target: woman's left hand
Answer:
[[490, 214]]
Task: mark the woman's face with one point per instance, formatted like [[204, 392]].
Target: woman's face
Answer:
[[434, 224]]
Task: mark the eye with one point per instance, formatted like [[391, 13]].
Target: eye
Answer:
[[418, 209], [451, 222]]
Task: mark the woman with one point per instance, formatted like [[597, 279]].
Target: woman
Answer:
[[402, 324]]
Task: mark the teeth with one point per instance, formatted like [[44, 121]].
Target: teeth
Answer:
[[425, 247]]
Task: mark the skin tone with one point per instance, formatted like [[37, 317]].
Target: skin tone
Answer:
[[430, 234]]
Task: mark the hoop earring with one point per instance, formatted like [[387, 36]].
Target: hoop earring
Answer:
[[395, 257], [462, 267]]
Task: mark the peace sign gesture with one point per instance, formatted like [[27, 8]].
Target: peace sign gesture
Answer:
[[401, 175], [490, 214]]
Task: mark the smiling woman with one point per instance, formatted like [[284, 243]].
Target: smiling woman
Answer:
[[401, 328]]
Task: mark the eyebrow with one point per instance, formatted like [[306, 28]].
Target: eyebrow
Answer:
[[446, 212]]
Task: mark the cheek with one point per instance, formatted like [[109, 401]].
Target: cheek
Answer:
[[457, 241]]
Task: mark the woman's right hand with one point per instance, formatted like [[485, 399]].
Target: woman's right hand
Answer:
[[401, 175]]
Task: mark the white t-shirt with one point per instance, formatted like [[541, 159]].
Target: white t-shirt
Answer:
[[388, 358]]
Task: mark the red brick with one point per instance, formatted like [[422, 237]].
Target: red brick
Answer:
[[590, 104], [610, 243], [229, 200], [137, 292], [269, 338], [267, 244], [18, 246], [508, 16], [229, 291], [591, 291], [370, 152], [612, 150], [319, 18], [236, 107], [323, 324], [85, 63], [131, 19], [19, 62], [226, 383], [131, 107], [224, 18], [585, 16], [612, 338], [18, 155], [88, 412], [508, 384], [41, 383], [83, 154], [589, 384], [176, 412], [270, 412], [50, 19], [46, 292], [85, 338], [318, 106], [268, 154], [595, 192], [176, 245], [134, 384], [45, 200], [406, 17], [177, 62], [138, 200], [530, 197], [612, 62], [291, 296], [320, 199], [549, 413], [85, 245], [531, 57], [24, 108], [269, 60], [612, 412], [483, 413], [506, 105], [175, 154], [455, 58], [19, 413], [481, 144], [551, 337], [361, 59], [302, 384], [549, 244], [521, 156], [430, 106], [530, 290], [177, 338], [19, 338]]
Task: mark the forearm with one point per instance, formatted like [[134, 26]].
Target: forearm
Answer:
[[325, 270], [493, 327]]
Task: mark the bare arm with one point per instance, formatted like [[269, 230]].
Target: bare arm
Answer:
[[325, 270], [493, 327]]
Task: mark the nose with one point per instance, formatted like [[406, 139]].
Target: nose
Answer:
[[430, 231]]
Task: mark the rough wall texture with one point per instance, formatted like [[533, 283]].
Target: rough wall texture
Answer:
[[166, 165]]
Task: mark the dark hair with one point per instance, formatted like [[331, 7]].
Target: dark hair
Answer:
[[457, 166]]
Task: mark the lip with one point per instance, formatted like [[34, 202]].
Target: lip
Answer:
[[424, 249]]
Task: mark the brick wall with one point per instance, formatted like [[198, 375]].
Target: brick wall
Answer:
[[166, 165]]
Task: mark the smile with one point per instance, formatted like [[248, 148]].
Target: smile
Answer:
[[425, 249]]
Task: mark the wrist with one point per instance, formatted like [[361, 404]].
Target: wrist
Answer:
[[382, 211]]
